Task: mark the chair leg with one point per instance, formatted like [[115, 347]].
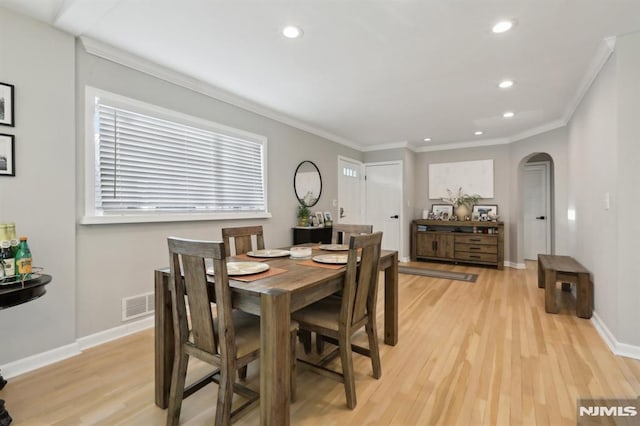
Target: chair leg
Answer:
[[374, 350], [319, 343], [293, 365], [347, 370], [225, 395], [305, 338], [242, 372], [178, 378]]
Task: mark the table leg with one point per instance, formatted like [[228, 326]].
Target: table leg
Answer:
[[540, 274], [164, 344], [584, 296], [275, 366], [550, 291], [391, 302]]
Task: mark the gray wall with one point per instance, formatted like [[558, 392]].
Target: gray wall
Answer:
[[39, 61], [603, 154], [129, 252]]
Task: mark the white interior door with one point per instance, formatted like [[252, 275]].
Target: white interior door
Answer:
[[383, 205], [350, 191], [537, 220]]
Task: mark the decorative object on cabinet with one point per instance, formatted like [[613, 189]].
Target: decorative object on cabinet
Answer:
[[486, 211], [303, 215], [7, 155], [320, 218], [457, 242], [6, 105], [440, 210], [461, 202], [307, 183]]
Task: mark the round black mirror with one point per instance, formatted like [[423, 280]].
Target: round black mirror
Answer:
[[307, 183]]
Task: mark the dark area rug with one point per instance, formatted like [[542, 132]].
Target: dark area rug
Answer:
[[436, 273]]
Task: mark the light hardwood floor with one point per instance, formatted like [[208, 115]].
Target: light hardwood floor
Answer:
[[469, 354]]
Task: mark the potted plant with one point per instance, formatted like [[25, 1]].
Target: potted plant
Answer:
[[461, 202], [303, 215]]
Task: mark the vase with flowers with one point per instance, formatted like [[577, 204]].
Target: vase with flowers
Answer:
[[461, 202]]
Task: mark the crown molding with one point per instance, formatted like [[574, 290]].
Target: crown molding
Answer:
[[461, 145], [552, 125], [605, 49], [113, 54], [385, 146]]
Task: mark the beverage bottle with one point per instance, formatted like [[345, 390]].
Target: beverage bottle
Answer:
[[7, 260], [23, 259], [11, 233]]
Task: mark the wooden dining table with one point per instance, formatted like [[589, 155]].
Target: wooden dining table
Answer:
[[273, 298]]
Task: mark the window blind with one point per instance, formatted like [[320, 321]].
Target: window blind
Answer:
[[145, 164]]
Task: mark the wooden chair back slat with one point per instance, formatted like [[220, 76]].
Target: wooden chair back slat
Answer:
[[361, 282], [242, 239], [342, 232]]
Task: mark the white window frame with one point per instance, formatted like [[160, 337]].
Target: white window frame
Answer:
[[92, 216]]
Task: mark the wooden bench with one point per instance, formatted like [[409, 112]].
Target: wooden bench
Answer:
[[565, 269]]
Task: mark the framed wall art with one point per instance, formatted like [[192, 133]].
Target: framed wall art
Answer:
[[7, 155], [6, 105]]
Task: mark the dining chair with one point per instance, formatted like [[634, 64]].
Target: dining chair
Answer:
[[228, 340], [341, 232], [336, 318], [242, 239]]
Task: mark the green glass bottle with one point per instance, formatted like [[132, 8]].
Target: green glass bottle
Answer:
[[7, 259], [23, 260]]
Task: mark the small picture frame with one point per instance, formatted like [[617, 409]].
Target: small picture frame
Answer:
[[7, 155], [486, 211], [319, 219], [6, 105], [442, 210], [327, 217], [475, 216]]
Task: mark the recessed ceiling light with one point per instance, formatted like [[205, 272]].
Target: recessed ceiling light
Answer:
[[509, 114], [291, 31], [427, 139], [502, 27], [478, 133], [505, 84]]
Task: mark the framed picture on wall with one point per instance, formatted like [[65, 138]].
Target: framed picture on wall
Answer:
[[442, 210], [6, 105], [7, 155]]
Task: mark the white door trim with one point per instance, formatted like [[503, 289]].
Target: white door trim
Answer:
[[362, 200], [401, 214], [546, 167]]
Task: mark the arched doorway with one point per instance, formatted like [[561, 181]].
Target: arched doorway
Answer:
[[536, 189]]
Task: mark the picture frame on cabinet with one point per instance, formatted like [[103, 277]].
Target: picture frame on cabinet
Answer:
[[7, 155], [6, 105], [320, 218], [442, 210], [485, 211], [327, 217]]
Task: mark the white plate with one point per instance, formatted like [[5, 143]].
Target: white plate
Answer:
[[334, 247], [268, 253], [335, 259], [243, 268]]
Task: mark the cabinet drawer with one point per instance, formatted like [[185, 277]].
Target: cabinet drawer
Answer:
[[477, 248], [477, 257], [476, 239]]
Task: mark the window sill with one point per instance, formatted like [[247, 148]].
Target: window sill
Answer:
[[169, 217]]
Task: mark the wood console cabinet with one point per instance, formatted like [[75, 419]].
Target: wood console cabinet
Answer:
[[455, 241]]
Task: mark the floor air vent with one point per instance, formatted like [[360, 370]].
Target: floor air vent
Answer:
[[137, 306]]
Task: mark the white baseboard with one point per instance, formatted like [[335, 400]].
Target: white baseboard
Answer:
[[36, 361], [404, 259], [115, 333], [514, 265], [43, 359], [622, 349]]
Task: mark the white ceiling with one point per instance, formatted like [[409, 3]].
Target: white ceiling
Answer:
[[373, 73]]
